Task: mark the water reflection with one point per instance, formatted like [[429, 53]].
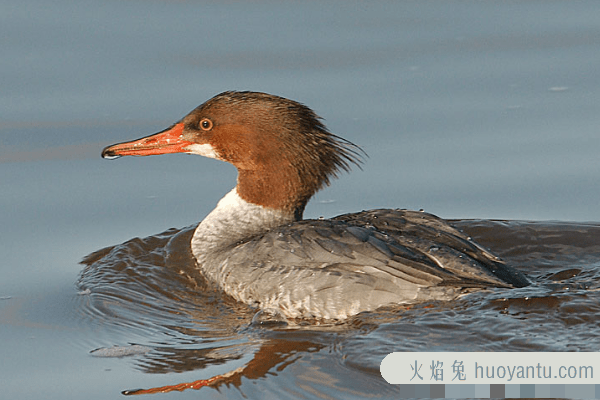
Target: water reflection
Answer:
[[151, 287], [273, 355]]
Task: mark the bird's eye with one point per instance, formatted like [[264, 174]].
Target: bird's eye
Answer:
[[206, 124]]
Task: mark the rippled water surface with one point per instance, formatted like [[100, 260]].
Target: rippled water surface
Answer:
[[478, 111], [150, 286]]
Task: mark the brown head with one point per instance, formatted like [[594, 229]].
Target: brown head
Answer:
[[282, 151]]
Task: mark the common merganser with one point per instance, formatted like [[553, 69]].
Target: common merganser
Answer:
[[255, 246]]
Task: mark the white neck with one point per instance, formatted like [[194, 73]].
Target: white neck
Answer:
[[233, 220]]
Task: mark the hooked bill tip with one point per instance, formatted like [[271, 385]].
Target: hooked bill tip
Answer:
[[109, 154]]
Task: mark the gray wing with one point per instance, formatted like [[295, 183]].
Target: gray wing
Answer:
[[357, 262], [434, 238]]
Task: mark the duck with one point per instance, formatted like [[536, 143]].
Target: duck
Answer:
[[256, 246]]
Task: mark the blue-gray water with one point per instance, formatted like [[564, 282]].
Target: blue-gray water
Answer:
[[469, 110]]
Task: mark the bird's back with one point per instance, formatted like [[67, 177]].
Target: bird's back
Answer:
[[357, 262]]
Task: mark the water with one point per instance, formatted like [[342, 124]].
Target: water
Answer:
[[469, 110], [150, 288]]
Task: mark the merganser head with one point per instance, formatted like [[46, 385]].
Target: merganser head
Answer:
[[282, 151]]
